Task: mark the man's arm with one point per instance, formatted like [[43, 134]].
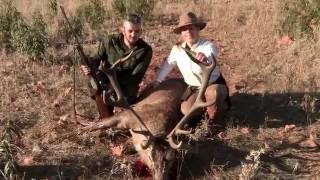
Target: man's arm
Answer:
[[164, 71], [167, 66], [96, 59], [140, 70]]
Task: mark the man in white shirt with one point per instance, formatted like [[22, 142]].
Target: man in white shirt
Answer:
[[189, 28]]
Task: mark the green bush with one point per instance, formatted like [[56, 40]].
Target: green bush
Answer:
[[93, 13], [32, 39], [8, 16], [17, 35], [53, 7], [8, 150], [297, 16], [142, 7]]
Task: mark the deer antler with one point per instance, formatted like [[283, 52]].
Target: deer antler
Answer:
[[199, 102], [111, 74], [121, 100]]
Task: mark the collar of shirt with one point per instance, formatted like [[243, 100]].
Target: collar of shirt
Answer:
[[193, 47]]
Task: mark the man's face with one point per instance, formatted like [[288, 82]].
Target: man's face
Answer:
[[131, 32], [190, 34]]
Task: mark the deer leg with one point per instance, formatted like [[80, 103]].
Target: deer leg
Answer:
[[105, 123]]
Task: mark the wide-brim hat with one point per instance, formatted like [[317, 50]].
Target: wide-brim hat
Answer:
[[189, 18]]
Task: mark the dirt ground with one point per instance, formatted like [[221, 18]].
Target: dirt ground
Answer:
[[272, 132]]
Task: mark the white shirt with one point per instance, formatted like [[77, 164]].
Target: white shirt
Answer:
[[190, 70]]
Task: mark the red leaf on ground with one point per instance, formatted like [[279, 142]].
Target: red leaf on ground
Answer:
[[288, 128], [64, 117], [309, 143], [38, 87], [62, 70], [117, 150], [222, 135], [245, 130], [27, 160], [285, 40], [61, 97]]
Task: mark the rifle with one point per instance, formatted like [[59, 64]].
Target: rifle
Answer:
[[98, 82]]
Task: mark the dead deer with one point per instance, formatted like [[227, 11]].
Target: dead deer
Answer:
[[154, 121]]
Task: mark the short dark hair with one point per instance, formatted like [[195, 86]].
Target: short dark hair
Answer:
[[133, 18]]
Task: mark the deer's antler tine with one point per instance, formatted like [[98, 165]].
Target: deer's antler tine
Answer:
[[111, 74], [181, 131], [144, 132], [199, 102], [121, 101], [131, 53], [173, 144], [121, 60]]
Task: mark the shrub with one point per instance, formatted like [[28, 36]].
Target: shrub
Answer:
[[32, 39], [8, 16], [53, 7], [93, 13], [8, 150], [297, 16], [142, 7], [17, 35]]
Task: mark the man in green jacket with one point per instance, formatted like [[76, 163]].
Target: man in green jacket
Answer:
[[131, 72]]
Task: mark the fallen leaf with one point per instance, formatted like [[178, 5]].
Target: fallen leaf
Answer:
[[61, 97], [62, 70], [288, 128], [36, 149], [285, 40], [27, 161], [67, 91], [38, 87], [245, 130], [309, 143], [64, 117], [117, 150], [222, 135]]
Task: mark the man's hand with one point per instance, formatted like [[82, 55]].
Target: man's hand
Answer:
[[201, 57], [85, 69]]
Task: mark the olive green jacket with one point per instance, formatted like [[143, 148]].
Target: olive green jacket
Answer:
[[131, 72]]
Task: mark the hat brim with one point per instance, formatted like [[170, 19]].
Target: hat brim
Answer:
[[201, 26]]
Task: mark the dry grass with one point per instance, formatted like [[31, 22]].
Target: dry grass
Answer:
[[272, 78]]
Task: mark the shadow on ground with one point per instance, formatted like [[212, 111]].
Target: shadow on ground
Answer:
[[68, 168], [274, 110], [210, 153]]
